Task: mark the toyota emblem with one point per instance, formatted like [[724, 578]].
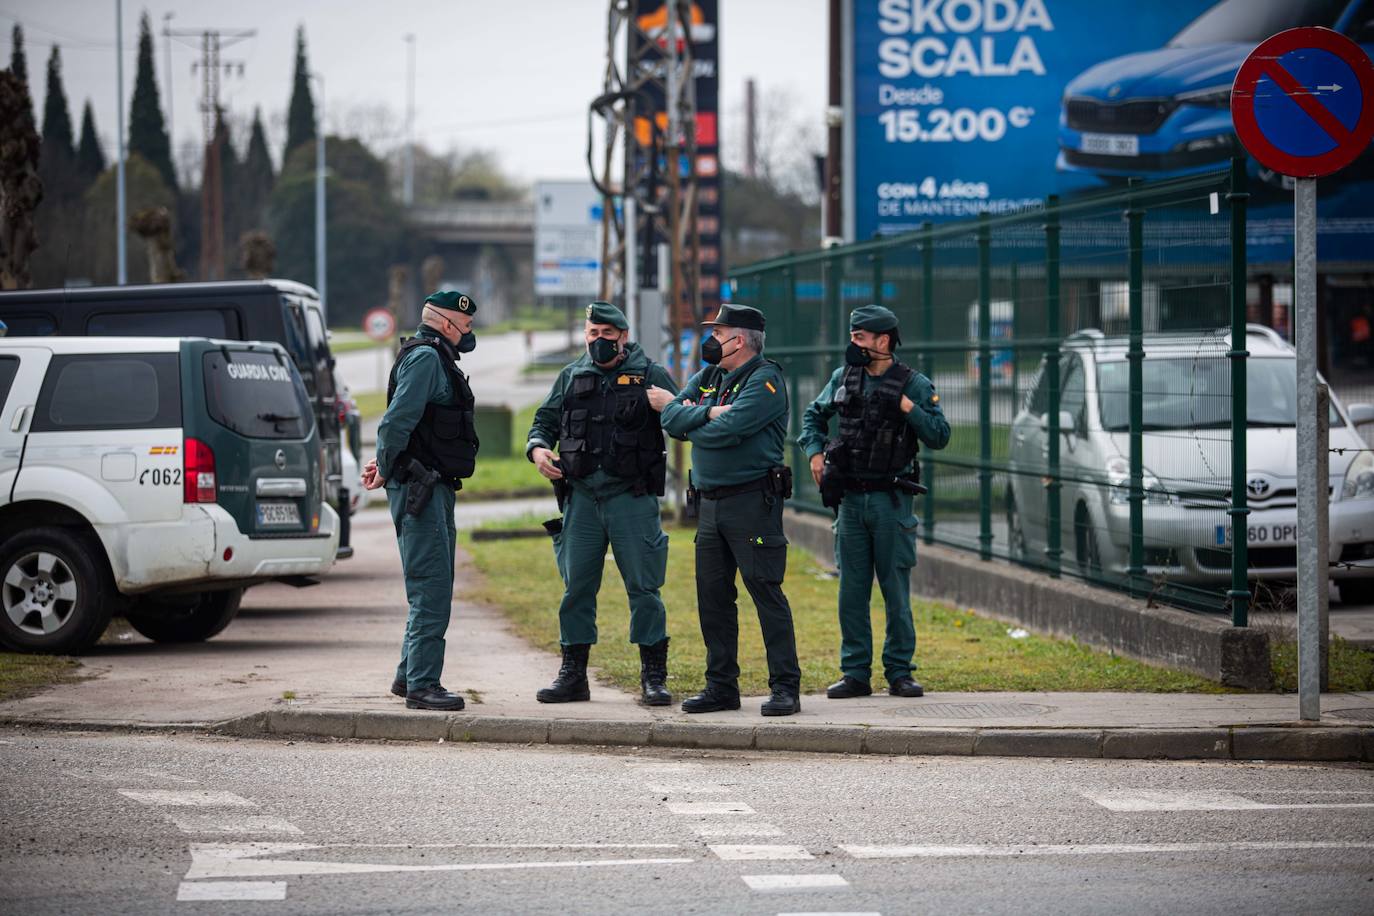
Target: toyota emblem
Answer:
[[280, 460], [1258, 487]]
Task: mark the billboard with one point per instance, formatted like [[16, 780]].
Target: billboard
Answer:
[[567, 239], [959, 107]]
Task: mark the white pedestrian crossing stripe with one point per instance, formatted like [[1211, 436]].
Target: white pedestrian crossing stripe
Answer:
[[184, 798], [737, 830], [768, 883], [1089, 849], [1138, 800], [759, 853], [231, 890]]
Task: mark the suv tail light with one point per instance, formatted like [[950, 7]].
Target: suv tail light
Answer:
[[199, 476]]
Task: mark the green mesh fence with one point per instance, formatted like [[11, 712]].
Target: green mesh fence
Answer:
[[1083, 357]]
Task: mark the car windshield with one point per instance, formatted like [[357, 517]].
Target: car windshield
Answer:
[[1252, 21], [256, 394], [1195, 393]]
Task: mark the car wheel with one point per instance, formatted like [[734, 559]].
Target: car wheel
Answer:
[[195, 620], [56, 592], [1085, 543], [1356, 591], [1016, 536]]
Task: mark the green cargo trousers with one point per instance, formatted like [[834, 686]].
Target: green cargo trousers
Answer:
[[874, 535], [427, 542], [631, 525]]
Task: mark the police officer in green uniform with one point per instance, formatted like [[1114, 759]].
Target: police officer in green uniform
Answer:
[[735, 416], [608, 474], [886, 409], [426, 444]]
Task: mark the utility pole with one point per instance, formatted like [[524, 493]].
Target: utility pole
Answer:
[[408, 191], [211, 68], [751, 161], [834, 121], [321, 275], [121, 227]]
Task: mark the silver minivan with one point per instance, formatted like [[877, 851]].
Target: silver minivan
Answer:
[[1187, 461]]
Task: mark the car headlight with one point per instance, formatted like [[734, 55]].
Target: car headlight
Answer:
[[1359, 477], [1210, 97], [1119, 480]]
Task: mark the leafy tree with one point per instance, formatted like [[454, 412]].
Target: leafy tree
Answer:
[[143, 188], [457, 174], [20, 187], [300, 116], [363, 229], [90, 158], [147, 129], [57, 119], [762, 221], [19, 64]]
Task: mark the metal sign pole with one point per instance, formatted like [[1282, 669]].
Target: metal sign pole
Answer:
[[1311, 567]]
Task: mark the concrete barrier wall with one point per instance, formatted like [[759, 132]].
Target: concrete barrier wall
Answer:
[[1209, 646]]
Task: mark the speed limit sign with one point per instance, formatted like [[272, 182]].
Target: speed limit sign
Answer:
[[379, 324]]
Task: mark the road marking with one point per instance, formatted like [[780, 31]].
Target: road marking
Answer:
[[232, 890], [1145, 800], [1086, 849], [759, 853], [794, 882], [187, 798], [497, 846], [833, 913], [737, 830], [663, 767], [709, 808], [687, 788], [219, 823], [247, 860]]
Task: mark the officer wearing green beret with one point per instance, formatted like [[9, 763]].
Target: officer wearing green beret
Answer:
[[886, 410], [426, 444], [608, 474], [735, 416]]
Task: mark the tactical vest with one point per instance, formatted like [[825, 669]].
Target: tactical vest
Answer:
[[445, 439], [607, 423], [875, 435]]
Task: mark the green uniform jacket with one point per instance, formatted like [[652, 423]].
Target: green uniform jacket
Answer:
[[926, 417], [742, 444], [548, 418], [420, 380]]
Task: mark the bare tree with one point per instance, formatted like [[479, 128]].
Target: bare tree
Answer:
[[787, 138], [154, 226], [20, 187], [257, 254]]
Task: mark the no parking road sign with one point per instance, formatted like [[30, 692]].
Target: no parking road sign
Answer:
[[379, 324], [1303, 102]]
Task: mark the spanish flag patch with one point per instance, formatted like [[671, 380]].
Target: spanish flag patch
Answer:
[[769, 386]]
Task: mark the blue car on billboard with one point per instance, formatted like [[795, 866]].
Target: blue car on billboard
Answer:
[[1167, 112]]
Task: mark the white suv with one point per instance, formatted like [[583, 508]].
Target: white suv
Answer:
[[151, 477]]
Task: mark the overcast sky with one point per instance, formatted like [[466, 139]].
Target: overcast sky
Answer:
[[514, 76]]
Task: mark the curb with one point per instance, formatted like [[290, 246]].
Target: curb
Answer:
[[1303, 743], [1237, 742]]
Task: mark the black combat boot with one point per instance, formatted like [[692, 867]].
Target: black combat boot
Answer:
[[653, 674], [571, 684]]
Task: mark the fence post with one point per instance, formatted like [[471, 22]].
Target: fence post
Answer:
[[832, 293], [1135, 221], [877, 259], [1240, 591], [928, 369], [1054, 530], [984, 389]]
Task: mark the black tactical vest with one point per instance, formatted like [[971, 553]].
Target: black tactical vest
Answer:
[[874, 432], [607, 423], [445, 439]]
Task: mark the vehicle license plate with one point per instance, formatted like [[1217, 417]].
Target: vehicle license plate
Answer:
[[278, 514], [1112, 144], [1283, 533]]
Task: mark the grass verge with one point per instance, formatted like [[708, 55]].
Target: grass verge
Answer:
[[24, 675], [956, 649]]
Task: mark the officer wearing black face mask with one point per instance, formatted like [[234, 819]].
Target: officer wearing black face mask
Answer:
[[886, 411], [609, 473]]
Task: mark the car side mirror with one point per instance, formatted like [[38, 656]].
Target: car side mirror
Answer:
[[1068, 424], [1360, 413]]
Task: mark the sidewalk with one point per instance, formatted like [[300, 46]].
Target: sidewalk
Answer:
[[318, 662]]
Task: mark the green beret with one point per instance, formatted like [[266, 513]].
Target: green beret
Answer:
[[453, 301], [605, 313], [873, 318]]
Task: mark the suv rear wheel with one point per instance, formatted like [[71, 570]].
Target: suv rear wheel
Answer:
[[55, 592], [1085, 541], [195, 618]]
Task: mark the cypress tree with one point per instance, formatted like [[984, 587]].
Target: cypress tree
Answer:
[[90, 158], [256, 176], [300, 116], [58, 144], [19, 64], [147, 129]]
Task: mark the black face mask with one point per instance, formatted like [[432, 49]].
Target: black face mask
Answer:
[[713, 351], [603, 349], [467, 343], [855, 355]]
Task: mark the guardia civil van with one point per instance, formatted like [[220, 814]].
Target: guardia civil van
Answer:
[[151, 477]]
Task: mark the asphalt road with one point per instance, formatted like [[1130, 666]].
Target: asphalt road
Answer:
[[146, 824]]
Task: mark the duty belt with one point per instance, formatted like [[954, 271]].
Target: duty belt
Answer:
[[750, 487], [870, 485]]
